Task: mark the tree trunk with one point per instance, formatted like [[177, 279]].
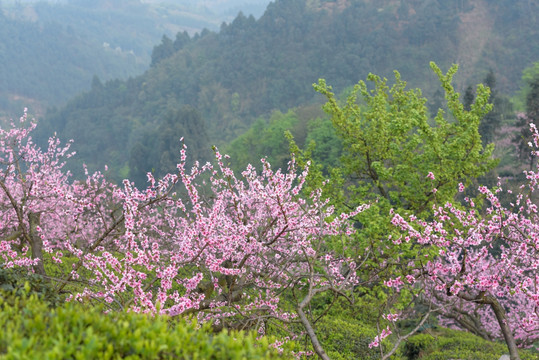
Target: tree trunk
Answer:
[[310, 331], [308, 326], [506, 330], [500, 316], [36, 243]]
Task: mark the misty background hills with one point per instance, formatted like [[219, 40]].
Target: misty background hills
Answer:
[[50, 50], [210, 86]]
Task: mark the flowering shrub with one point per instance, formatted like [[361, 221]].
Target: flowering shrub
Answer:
[[225, 252], [486, 277]]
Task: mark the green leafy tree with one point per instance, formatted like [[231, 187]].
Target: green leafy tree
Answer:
[[489, 125], [390, 144], [163, 50], [532, 100], [325, 144], [501, 111], [398, 159], [267, 138], [528, 75], [264, 139], [159, 151], [468, 98]]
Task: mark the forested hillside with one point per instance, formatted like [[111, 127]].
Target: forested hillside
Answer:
[[252, 67], [48, 63], [49, 51]]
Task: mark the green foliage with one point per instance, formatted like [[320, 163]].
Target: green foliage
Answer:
[[390, 144], [490, 129], [264, 139], [528, 74], [417, 345], [163, 50], [446, 344], [158, 150], [532, 100], [348, 329], [345, 330], [31, 330], [20, 282], [524, 135], [267, 139], [325, 144], [502, 112], [347, 339]]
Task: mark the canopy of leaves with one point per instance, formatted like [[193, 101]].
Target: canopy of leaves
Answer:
[[391, 145]]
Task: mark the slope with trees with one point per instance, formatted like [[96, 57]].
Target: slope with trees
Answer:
[[51, 50], [48, 63], [253, 67], [523, 139], [267, 251]]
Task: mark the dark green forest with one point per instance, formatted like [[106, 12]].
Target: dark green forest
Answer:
[[251, 68]]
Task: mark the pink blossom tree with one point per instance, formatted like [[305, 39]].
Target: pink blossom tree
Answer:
[[225, 249], [485, 278]]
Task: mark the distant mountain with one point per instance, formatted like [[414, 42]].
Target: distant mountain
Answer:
[[51, 50], [47, 63], [212, 86]]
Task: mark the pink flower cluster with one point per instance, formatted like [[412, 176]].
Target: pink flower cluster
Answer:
[[487, 264], [226, 251]]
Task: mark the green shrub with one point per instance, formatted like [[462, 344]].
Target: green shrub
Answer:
[[445, 344], [15, 280], [415, 347], [32, 330], [347, 339]]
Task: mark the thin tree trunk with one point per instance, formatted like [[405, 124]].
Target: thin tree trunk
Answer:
[[310, 331], [36, 243], [506, 330]]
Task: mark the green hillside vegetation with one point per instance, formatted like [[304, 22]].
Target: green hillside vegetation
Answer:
[[254, 67], [82, 331], [445, 344], [266, 138], [47, 63], [51, 50]]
